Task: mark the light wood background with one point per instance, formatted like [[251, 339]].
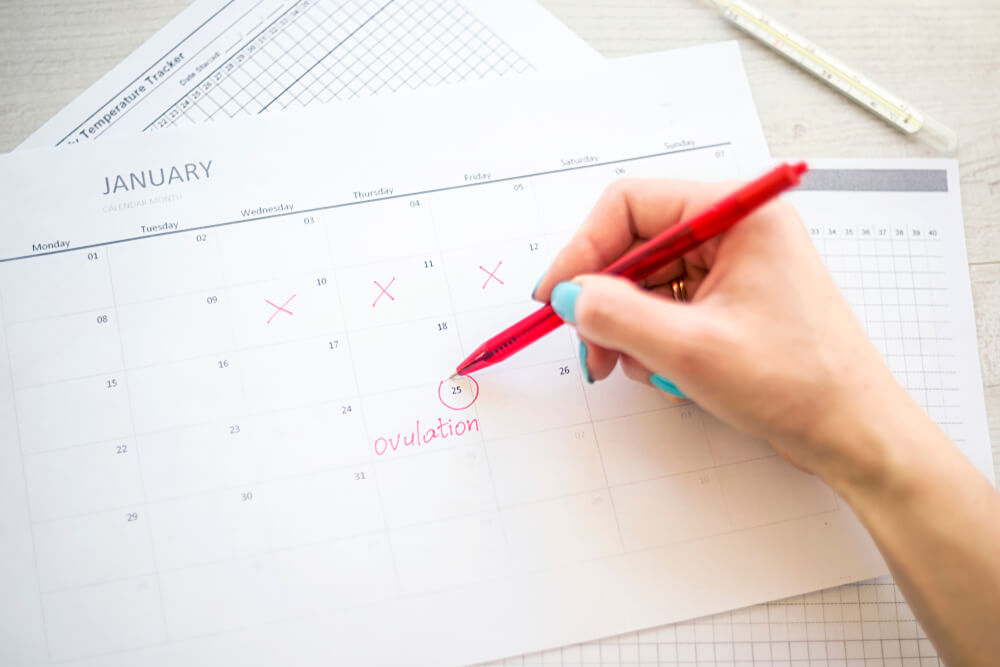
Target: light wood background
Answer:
[[943, 56]]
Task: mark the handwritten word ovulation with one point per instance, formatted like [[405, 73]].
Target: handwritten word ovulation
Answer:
[[425, 435]]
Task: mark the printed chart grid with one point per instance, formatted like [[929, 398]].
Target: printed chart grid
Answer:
[[321, 50], [858, 625]]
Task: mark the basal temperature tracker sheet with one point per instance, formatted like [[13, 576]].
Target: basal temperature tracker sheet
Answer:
[[225, 436], [222, 59]]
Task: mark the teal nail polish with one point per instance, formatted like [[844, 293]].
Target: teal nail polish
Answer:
[[564, 300], [666, 385], [535, 288], [583, 363]]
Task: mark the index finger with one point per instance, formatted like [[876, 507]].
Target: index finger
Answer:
[[629, 210]]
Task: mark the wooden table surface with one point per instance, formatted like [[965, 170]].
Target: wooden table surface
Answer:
[[942, 56]]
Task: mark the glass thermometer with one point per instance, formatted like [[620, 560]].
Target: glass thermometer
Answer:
[[822, 65]]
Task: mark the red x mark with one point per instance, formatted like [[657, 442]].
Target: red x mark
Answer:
[[279, 309], [492, 274], [385, 291]]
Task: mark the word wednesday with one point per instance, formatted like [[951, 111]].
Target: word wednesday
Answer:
[[154, 178], [418, 437]]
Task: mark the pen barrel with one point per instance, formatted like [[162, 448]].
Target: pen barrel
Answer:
[[684, 236], [540, 323], [643, 261], [753, 195]]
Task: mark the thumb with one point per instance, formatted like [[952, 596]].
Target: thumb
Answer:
[[663, 335]]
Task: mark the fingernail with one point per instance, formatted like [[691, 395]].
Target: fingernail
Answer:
[[666, 385], [535, 288], [564, 300], [583, 363]]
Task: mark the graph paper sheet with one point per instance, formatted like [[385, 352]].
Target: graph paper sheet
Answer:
[[222, 59], [891, 233]]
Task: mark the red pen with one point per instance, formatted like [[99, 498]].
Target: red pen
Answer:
[[642, 261]]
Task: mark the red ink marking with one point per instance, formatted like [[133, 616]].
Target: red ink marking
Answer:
[[425, 435], [279, 309], [491, 275], [385, 291], [459, 407]]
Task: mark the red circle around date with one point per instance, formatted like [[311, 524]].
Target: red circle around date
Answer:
[[457, 408]]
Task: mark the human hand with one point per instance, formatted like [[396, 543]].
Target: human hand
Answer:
[[767, 342]]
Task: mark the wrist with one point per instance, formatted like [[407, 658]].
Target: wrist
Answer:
[[886, 449]]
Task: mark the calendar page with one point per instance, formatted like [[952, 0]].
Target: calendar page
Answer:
[[227, 436]]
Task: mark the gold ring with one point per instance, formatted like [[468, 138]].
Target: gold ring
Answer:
[[679, 289]]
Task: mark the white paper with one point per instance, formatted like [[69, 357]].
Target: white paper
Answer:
[[224, 437], [222, 59]]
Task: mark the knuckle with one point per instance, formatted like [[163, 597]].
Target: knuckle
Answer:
[[692, 354], [782, 214], [784, 207], [594, 312], [617, 189], [619, 195], [786, 212]]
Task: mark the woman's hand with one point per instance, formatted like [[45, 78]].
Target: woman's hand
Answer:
[[767, 342]]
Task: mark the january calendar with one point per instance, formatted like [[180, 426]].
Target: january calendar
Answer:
[[226, 433]]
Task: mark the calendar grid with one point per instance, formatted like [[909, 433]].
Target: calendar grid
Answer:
[[481, 440], [846, 625], [604, 469], [717, 464], [159, 570], [597, 438], [397, 580], [345, 467], [133, 440], [24, 472], [238, 353]]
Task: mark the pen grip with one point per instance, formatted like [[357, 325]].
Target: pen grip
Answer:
[[644, 260], [536, 325], [666, 247]]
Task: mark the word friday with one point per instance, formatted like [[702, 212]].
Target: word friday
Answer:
[[418, 437]]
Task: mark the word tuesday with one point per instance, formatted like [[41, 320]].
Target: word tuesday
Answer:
[[154, 178], [418, 437]]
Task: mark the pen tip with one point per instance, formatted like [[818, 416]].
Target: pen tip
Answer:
[[453, 375]]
